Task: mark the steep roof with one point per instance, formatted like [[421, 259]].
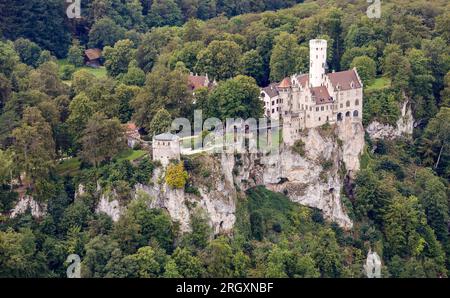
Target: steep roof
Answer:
[[344, 79], [321, 95], [271, 90], [93, 54], [197, 82], [285, 83], [166, 137], [303, 79]]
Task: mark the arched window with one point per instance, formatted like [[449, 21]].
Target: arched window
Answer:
[[355, 113], [347, 104], [347, 114], [357, 102], [339, 117]]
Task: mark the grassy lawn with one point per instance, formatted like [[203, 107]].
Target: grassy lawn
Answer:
[[131, 155], [97, 72], [69, 167], [379, 83]]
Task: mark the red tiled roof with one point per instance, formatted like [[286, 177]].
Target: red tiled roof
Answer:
[[303, 79], [197, 82], [93, 54], [321, 95], [344, 79], [286, 83]]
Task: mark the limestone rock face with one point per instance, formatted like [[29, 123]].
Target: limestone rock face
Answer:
[[404, 127], [38, 210], [110, 207], [314, 179], [217, 199], [352, 136]]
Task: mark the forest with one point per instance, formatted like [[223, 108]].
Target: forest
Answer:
[[62, 125]]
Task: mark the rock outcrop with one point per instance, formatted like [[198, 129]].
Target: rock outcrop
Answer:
[[38, 210], [404, 126], [314, 179]]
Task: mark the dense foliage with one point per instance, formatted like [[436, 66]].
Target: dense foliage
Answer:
[[63, 125]]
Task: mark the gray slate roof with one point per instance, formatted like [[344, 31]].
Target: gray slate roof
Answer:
[[166, 137]]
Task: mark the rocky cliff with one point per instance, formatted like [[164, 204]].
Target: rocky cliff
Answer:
[[313, 179], [404, 125]]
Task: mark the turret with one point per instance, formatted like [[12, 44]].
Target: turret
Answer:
[[318, 60]]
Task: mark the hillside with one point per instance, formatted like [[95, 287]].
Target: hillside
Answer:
[[78, 174]]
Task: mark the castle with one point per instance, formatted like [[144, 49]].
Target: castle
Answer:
[[311, 100]]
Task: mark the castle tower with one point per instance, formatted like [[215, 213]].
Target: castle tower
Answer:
[[317, 61]]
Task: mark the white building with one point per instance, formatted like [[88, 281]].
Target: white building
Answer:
[[311, 100], [166, 147]]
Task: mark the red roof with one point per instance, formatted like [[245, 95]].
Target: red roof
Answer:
[[321, 95], [197, 82], [303, 79], [93, 54], [286, 83], [344, 79], [130, 127]]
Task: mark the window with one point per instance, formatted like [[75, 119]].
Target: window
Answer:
[[357, 102], [355, 113], [347, 104], [342, 106], [321, 108], [317, 109]]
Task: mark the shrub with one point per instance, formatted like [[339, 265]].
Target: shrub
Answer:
[[176, 176], [299, 147], [67, 72]]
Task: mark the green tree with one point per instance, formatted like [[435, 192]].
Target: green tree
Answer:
[[435, 144], [161, 122], [366, 68], [163, 89], [352, 53], [433, 197], [398, 68], [119, 57], [163, 13], [98, 252], [101, 139], [105, 32], [253, 66], [287, 57], [236, 98], [124, 95], [436, 50], [75, 55], [401, 221], [34, 145], [134, 77], [28, 51], [81, 109], [146, 263], [220, 60], [19, 256], [6, 166], [218, 258], [188, 265], [8, 57]]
